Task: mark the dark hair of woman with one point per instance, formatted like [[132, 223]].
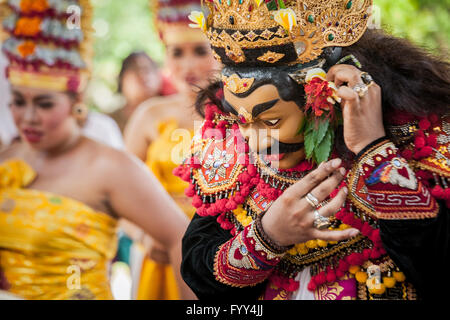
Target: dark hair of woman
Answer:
[[129, 63]]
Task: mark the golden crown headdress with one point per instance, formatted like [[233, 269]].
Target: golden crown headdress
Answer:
[[48, 43], [273, 32]]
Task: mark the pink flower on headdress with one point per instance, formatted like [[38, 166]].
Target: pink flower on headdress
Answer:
[[73, 83]]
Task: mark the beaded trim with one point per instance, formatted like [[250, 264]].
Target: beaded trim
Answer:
[[266, 242], [245, 251]]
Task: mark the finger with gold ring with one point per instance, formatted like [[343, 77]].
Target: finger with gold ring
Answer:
[[366, 78], [361, 89], [321, 222], [312, 200]]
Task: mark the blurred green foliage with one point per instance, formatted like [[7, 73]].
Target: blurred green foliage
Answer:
[[425, 22], [125, 26], [122, 27]]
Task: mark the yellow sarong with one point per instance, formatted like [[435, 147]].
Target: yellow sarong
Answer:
[[51, 247], [157, 280]]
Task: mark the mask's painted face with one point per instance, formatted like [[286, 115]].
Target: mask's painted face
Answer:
[[269, 124]]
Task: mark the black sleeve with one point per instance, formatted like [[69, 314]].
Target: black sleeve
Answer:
[[201, 242], [420, 248]]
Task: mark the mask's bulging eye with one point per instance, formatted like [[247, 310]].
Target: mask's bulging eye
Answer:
[[271, 123]]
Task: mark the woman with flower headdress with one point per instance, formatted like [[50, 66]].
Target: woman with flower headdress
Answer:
[[61, 193], [160, 130], [322, 167]]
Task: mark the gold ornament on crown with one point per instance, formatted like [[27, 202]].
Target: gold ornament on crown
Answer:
[[308, 26], [236, 84]]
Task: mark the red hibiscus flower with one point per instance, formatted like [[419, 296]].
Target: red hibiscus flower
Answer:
[[317, 95]]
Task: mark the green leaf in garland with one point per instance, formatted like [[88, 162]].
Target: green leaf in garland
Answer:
[[314, 134], [321, 131], [281, 4], [302, 126], [323, 150], [272, 5], [309, 139]]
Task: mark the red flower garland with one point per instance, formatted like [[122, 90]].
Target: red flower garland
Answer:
[[317, 93]]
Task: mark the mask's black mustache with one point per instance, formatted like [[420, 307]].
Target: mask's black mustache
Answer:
[[283, 148]]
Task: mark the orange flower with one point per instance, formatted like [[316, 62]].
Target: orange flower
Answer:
[[28, 27], [82, 230], [28, 6], [40, 5], [26, 48]]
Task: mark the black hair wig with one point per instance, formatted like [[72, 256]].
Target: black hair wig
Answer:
[[411, 79]]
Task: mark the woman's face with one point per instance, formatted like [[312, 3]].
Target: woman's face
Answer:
[[142, 81], [43, 117], [191, 65], [270, 125]]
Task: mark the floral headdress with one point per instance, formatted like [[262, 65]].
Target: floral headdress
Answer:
[[171, 19], [48, 43]]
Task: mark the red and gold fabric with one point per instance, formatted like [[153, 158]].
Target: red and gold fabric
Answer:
[[392, 186], [245, 252]]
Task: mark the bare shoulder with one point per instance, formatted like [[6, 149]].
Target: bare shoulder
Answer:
[[109, 163], [156, 108], [157, 103], [144, 121]]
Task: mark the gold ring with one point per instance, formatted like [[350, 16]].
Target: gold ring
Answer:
[[361, 89], [366, 78], [312, 200], [321, 222]]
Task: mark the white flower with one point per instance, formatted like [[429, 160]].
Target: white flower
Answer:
[[334, 97], [199, 20], [316, 73], [286, 18]]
